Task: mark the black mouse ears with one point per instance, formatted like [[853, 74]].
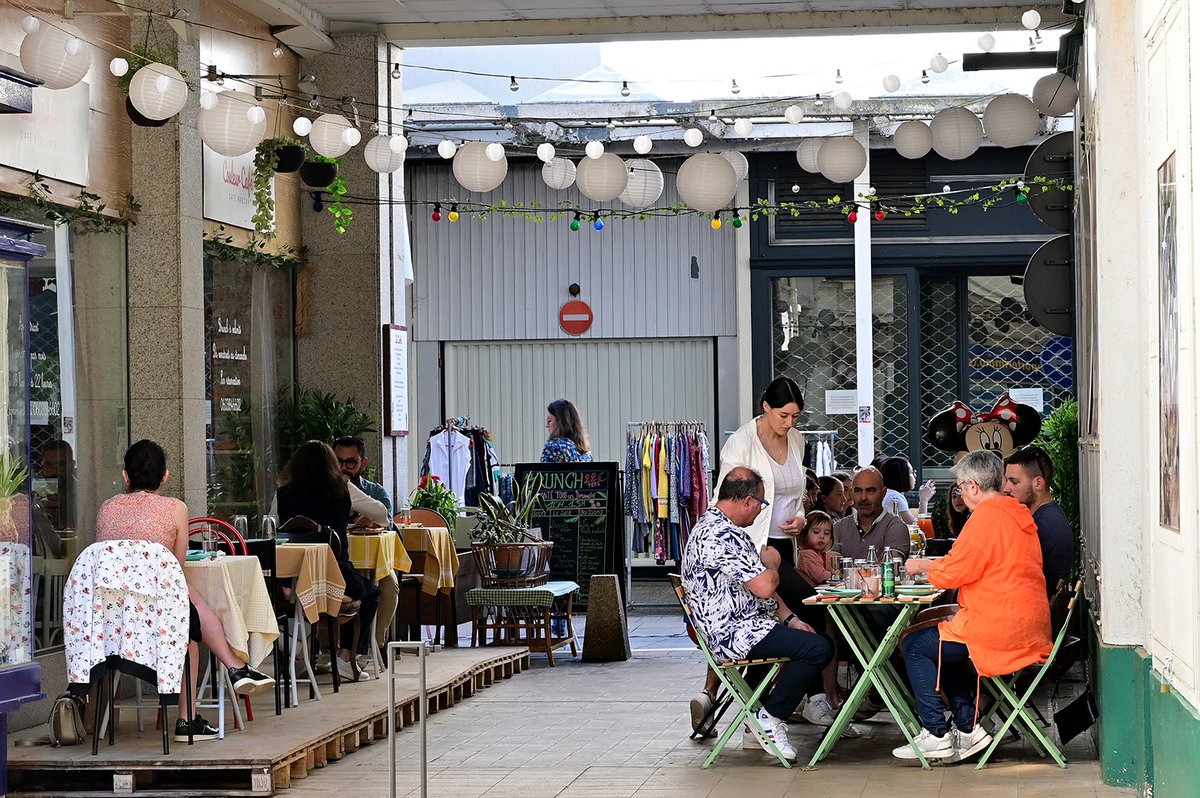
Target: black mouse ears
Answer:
[[948, 430]]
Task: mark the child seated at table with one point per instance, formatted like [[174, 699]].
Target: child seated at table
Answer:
[[816, 539]]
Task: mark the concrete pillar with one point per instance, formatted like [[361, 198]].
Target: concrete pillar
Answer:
[[166, 282]]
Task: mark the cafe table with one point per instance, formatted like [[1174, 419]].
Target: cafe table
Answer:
[[378, 552], [441, 560], [873, 654], [236, 592], [319, 583]]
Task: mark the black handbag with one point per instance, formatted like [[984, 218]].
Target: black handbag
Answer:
[[1076, 717]]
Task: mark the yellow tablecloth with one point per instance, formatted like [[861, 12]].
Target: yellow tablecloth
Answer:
[[236, 591], [319, 583], [441, 560], [380, 553]]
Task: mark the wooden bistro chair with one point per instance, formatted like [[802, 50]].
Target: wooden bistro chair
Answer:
[[1016, 707], [732, 677]]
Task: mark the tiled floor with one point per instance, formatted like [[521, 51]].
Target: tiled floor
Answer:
[[621, 729]]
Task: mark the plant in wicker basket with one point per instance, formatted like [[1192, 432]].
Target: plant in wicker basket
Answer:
[[507, 553]]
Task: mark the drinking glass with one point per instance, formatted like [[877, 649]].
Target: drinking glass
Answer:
[[405, 515]]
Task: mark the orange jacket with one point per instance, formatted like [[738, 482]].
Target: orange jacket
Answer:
[[996, 564]]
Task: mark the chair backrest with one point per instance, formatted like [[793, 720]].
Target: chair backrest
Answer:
[[426, 517], [229, 539], [681, 594], [300, 529]]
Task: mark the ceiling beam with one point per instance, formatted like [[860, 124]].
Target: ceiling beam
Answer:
[[598, 29]]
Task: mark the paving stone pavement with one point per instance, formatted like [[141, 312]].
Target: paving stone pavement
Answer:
[[616, 730]]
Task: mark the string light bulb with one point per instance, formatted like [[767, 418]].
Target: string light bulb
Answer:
[[716, 221], [611, 125], [880, 215], [1032, 44], [512, 83], [793, 114], [575, 223], [987, 42], [624, 88], [302, 126], [208, 101], [642, 144], [598, 224], [939, 63], [1031, 20], [119, 67], [254, 114], [396, 73], [924, 76], [795, 188], [446, 149], [736, 221], [31, 24], [852, 217], [837, 77], [73, 45], [453, 215], [734, 88], [712, 116], [946, 189], [437, 213], [277, 52]]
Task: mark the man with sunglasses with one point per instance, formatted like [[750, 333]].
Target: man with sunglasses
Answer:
[[731, 587], [1028, 477]]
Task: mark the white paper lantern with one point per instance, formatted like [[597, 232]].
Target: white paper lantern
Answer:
[[146, 97], [256, 114], [1010, 120], [30, 24], [987, 42], [545, 152], [706, 182], [594, 149], [351, 136], [939, 63], [1055, 94], [474, 171], [842, 100], [693, 137], [806, 154], [957, 133], [741, 167], [225, 128], [302, 126], [379, 156], [74, 45], [398, 144], [913, 139], [327, 135], [793, 114], [559, 173], [743, 127], [642, 145], [494, 151], [446, 149], [891, 83], [841, 159], [1031, 19], [44, 55], [119, 67], [645, 184], [601, 179]]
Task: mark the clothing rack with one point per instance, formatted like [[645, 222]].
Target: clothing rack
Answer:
[[822, 436], [462, 425]]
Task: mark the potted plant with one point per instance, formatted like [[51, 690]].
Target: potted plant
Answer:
[[506, 550], [317, 416], [279, 154], [319, 171], [13, 477], [141, 56], [433, 494]]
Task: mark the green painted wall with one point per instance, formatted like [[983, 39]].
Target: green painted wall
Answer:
[[1147, 738]]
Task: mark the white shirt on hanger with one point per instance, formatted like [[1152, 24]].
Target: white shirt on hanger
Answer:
[[450, 459]]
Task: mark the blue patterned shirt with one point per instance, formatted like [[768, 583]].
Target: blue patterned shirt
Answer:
[[563, 450], [720, 558]]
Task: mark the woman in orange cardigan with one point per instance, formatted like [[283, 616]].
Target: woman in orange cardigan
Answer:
[[1004, 623]]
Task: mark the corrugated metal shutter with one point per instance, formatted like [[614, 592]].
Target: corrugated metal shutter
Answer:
[[506, 387]]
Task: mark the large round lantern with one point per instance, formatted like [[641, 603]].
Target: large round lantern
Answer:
[[226, 129], [380, 157], [741, 167], [913, 139], [1055, 94], [1011, 120], [559, 173], [474, 171], [645, 184], [957, 133], [706, 182], [328, 135], [158, 91], [806, 154], [601, 179], [841, 159], [45, 55]]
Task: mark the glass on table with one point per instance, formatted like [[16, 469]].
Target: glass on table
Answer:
[[405, 515]]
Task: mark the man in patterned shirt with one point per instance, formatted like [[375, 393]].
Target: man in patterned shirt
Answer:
[[731, 588]]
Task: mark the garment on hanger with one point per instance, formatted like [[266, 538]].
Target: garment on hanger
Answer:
[[666, 485], [449, 460]]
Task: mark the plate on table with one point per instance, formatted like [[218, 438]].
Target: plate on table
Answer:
[[915, 590], [840, 592]]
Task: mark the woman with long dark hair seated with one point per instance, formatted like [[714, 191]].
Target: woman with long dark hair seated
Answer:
[[315, 488]]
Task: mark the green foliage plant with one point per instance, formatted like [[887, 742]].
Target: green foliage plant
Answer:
[[342, 215], [1060, 438], [508, 523], [318, 416], [433, 494], [266, 158]]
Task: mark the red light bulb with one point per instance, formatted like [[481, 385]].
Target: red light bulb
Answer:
[[852, 217], [436, 216], [880, 216]]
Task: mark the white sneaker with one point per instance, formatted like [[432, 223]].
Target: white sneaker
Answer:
[[932, 747], [700, 705], [818, 712], [346, 671], [776, 733], [968, 744]]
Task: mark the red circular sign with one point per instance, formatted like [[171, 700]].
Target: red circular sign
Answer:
[[575, 317]]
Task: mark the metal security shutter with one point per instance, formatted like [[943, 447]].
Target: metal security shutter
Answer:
[[506, 387]]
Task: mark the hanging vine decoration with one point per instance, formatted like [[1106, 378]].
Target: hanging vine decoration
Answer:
[[1002, 194], [220, 245], [86, 214]]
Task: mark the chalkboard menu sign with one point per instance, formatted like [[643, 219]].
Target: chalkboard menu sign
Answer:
[[581, 512]]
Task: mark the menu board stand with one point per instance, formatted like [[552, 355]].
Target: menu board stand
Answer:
[[580, 511]]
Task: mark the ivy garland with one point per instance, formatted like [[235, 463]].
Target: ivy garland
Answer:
[[266, 159], [342, 215], [1005, 193], [87, 215], [220, 245]]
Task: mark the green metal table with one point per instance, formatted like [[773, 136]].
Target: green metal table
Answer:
[[873, 654]]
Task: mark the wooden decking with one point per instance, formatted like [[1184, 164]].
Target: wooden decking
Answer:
[[270, 754]]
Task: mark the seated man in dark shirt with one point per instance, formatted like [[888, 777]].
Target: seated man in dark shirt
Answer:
[[1028, 475]]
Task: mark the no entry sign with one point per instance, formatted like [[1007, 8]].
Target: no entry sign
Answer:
[[575, 317]]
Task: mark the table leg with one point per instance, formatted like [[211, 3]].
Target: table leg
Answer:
[[898, 684], [571, 625], [545, 623]]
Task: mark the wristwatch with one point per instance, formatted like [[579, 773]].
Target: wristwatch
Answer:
[[789, 619]]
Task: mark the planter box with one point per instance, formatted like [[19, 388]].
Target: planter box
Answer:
[[504, 565]]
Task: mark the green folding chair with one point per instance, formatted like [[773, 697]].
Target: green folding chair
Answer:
[[1017, 707], [748, 699]]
